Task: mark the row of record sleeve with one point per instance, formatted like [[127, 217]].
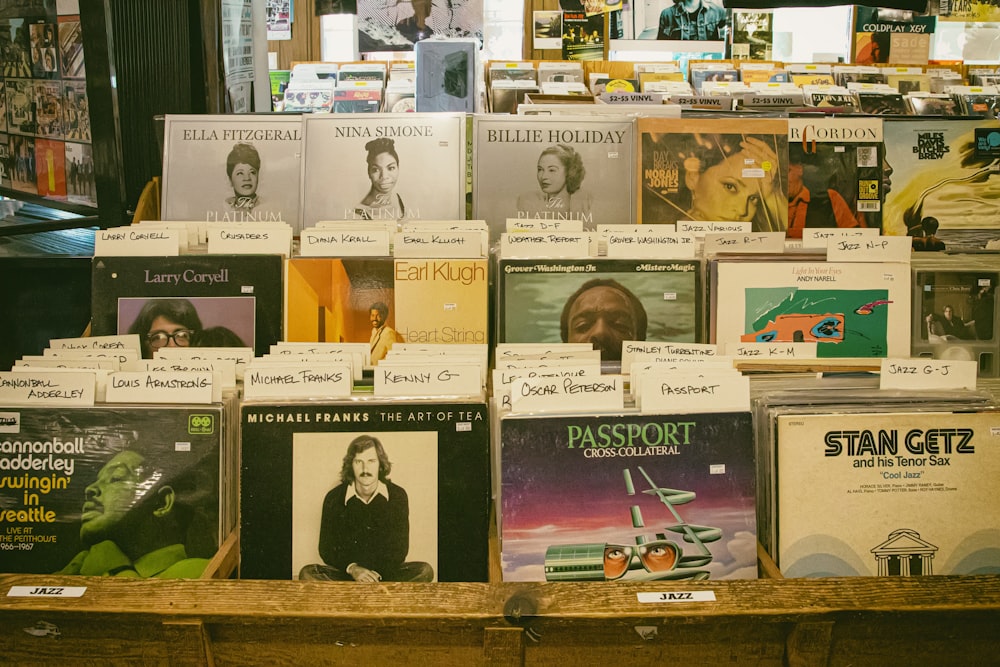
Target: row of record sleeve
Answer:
[[777, 174], [831, 476], [939, 305]]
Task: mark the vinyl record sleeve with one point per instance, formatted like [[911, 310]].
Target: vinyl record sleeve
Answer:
[[534, 297], [850, 309], [836, 173], [428, 300], [406, 166], [572, 487], [943, 169], [233, 168], [237, 295], [718, 169], [293, 455], [899, 494], [521, 172], [97, 478]]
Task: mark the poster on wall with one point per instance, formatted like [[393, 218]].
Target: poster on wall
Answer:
[[398, 26], [583, 36], [547, 30], [891, 36], [279, 19], [969, 11]]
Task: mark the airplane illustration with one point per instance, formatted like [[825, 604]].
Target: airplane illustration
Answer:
[[647, 560]]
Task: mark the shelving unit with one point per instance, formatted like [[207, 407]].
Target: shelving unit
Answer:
[[859, 621]]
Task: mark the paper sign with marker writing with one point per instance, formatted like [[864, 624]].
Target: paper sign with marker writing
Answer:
[[504, 378], [821, 237], [271, 240], [754, 242], [599, 394], [297, 381], [126, 358], [632, 348], [241, 356], [694, 392], [428, 380], [701, 227], [539, 225], [920, 373], [353, 361], [439, 245], [318, 242], [163, 387], [658, 246], [550, 245], [116, 342], [74, 387], [137, 242], [773, 350], [226, 369], [878, 249]]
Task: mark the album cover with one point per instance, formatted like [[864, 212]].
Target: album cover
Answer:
[[442, 300], [877, 103], [80, 185], [76, 111], [128, 491], [912, 494], [985, 105], [943, 181], [628, 497], [3, 106], [955, 316], [21, 106], [44, 297], [753, 35], [933, 105], [357, 100], [717, 169], [600, 300], [836, 173], [850, 309], [384, 167], [71, 48], [16, 54], [190, 300], [383, 27], [235, 168], [552, 168], [845, 101], [446, 75], [50, 168], [49, 109], [306, 468], [22, 151]]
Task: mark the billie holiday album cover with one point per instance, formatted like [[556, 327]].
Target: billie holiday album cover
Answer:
[[849, 309], [944, 185], [190, 300], [365, 491], [717, 169], [384, 167], [895, 494], [600, 300], [122, 491], [552, 168], [628, 497], [235, 168]]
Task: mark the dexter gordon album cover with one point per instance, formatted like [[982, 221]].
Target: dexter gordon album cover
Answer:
[[404, 166], [628, 497], [365, 491], [234, 168], [190, 300], [913, 494], [122, 491], [552, 168]]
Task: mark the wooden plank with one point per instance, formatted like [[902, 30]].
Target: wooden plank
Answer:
[[188, 642], [503, 647], [809, 644]]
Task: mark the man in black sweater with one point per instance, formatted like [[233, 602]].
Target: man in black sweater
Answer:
[[365, 531]]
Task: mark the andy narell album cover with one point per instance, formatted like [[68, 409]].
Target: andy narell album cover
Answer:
[[232, 168], [408, 166]]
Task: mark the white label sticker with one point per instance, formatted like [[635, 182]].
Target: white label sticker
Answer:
[[46, 591], [677, 596]]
